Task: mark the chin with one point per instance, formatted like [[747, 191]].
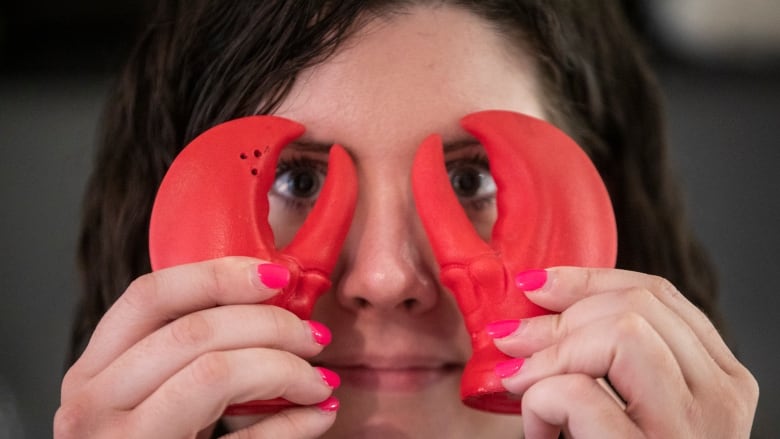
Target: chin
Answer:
[[435, 411]]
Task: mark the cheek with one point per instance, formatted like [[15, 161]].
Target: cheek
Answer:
[[483, 220], [284, 221], [455, 331]]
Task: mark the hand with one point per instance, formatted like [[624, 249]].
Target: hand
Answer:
[[183, 343], [669, 372]]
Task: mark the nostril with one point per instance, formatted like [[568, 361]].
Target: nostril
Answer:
[[410, 304], [407, 304], [362, 303]]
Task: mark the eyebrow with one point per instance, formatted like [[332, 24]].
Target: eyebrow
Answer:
[[460, 144], [323, 148], [309, 146]]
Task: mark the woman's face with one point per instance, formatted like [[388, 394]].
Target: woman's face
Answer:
[[399, 343]]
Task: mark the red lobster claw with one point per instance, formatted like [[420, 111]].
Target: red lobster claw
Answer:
[[553, 209], [213, 202]]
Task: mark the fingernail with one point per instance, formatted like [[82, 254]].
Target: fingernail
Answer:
[[320, 332], [329, 405], [331, 378], [273, 275], [508, 368], [502, 328], [531, 280]]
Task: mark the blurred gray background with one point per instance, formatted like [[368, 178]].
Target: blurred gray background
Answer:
[[718, 61]]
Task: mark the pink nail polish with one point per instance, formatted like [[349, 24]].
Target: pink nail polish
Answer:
[[531, 280], [320, 332], [331, 378], [502, 328], [329, 405], [273, 275], [508, 368]]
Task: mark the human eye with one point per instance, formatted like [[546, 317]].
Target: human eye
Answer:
[[475, 188], [298, 182], [472, 182]]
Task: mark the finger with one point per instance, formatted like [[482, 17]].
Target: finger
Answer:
[[566, 285], [627, 350], [197, 395], [132, 377], [577, 405], [301, 422], [157, 298], [535, 334]]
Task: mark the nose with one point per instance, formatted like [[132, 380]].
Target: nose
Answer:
[[387, 267]]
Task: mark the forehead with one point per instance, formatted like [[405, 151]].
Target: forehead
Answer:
[[421, 70]]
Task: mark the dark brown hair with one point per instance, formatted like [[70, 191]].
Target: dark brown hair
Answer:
[[200, 62]]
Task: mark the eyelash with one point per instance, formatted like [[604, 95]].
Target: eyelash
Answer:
[[286, 164], [479, 160]]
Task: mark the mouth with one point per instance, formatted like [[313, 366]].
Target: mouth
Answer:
[[394, 375]]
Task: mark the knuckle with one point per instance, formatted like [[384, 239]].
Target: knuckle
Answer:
[[529, 398], [750, 388], [593, 279], [709, 330], [590, 280], [69, 421], [548, 391], [210, 370], [279, 327], [555, 354], [664, 286], [753, 389], [559, 326], [142, 291], [290, 369], [192, 330], [580, 384], [641, 298], [632, 326], [71, 384], [220, 273], [536, 394], [216, 281]]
